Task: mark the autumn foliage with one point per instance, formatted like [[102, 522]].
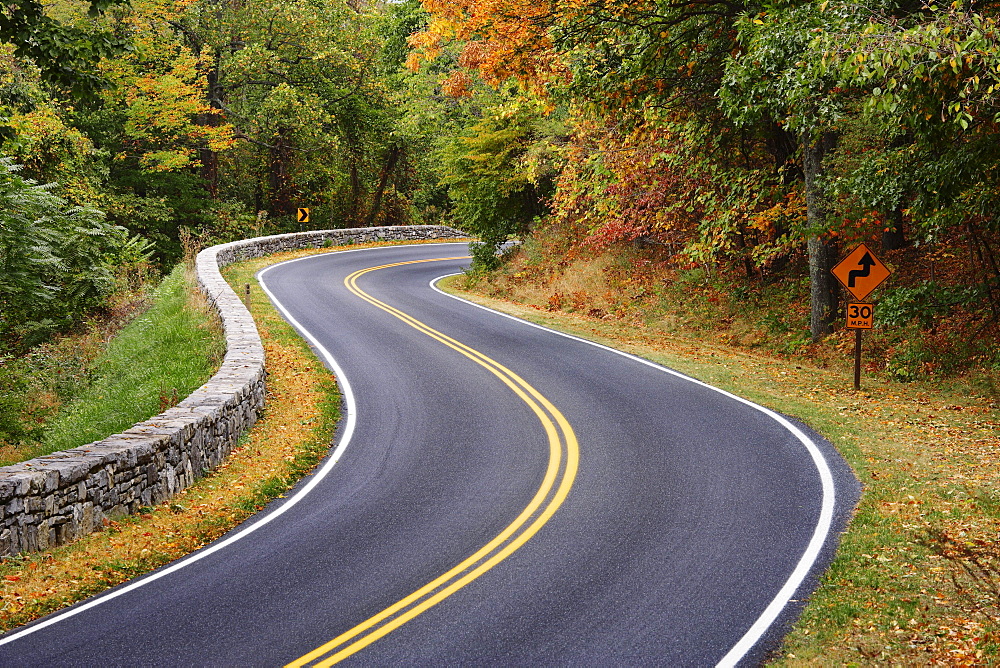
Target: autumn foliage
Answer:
[[755, 137]]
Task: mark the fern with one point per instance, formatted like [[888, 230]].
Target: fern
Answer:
[[57, 262]]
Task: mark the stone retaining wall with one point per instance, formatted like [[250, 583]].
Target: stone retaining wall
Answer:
[[53, 499]]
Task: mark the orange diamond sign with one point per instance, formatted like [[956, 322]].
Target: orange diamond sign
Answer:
[[861, 272]]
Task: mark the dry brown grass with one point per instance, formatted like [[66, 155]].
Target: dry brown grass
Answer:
[[582, 287]]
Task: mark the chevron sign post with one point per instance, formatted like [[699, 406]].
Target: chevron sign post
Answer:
[[860, 272]]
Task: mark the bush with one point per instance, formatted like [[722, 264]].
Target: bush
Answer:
[[12, 404], [924, 303], [57, 262], [484, 256]]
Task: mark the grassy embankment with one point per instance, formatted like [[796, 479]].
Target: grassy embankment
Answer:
[[158, 357], [293, 435], [156, 360], [917, 577]]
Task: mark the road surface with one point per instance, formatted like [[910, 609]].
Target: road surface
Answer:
[[499, 494]]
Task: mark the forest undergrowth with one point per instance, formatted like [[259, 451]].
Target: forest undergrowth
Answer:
[[917, 577], [929, 326]]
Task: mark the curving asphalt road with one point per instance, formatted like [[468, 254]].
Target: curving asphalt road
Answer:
[[499, 494]]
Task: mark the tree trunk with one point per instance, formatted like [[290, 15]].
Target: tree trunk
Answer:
[[210, 159], [782, 146], [822, 253], [354, 206], [892, 233], [278, 185], [390, 165], [822, 291]]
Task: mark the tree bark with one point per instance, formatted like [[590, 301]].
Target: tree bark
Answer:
[[782, 146], [354, 206], [822, 253], [210, 159], [892, 233], [278, 185]]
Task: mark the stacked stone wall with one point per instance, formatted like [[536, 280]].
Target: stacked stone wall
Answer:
[[53, 499]]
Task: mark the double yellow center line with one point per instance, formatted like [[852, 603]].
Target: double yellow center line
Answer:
[[564, 457]]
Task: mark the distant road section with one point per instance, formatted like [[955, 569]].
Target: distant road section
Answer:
[[499, 494]]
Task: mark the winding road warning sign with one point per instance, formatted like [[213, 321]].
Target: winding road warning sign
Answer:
[[861, 272]]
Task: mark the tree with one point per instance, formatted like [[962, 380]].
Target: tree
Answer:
[[67, 55], [146, 127], [297, 82], [491, 180], [770, 80], [39, 135], [931, 77]]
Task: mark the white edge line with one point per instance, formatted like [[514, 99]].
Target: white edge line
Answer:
[[821, 532], [338, 451], [734, 655]]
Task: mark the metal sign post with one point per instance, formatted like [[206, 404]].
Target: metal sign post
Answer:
[[857, 359], [860, 316]]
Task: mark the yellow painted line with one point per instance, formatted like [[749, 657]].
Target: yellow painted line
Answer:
[[559, 434]]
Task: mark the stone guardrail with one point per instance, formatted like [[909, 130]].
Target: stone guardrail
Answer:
[[53, 499]]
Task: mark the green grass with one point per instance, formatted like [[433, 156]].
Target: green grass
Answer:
[[156, 360]]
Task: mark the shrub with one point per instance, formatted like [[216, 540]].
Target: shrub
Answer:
[[57, 262], [924, 303]]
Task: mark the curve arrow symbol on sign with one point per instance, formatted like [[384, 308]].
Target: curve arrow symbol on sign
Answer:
[[866, 269]]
